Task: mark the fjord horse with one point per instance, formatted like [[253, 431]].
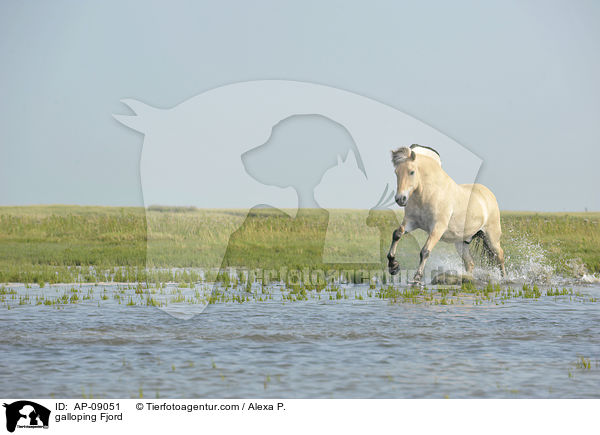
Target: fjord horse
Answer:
[[447, 211]]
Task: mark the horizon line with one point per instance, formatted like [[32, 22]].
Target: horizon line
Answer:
[[258, 206]]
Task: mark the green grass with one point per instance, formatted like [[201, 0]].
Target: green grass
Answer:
[[566, 237], [60, 243]]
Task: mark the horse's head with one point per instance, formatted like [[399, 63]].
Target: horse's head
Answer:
[[406, 174]]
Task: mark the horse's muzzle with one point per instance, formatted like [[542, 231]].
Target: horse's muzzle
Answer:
[[401, 200]]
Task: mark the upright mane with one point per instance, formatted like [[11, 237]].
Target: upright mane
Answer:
[[426, 151], [402, 154]]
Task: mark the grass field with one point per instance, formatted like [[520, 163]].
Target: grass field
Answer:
[[60, 243]]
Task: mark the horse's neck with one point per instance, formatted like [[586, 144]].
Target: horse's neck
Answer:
[[433, 181]]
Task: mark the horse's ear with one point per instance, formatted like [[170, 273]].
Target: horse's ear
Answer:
[[413, 155]]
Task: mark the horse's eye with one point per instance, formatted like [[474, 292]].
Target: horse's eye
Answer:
[[412, 172]]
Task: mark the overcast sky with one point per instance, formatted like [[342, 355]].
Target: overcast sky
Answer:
[[515, 82]]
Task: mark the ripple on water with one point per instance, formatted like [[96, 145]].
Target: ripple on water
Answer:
[[345, 348]]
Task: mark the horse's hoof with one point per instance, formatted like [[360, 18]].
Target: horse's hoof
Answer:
[[394, 267], [417, 280]]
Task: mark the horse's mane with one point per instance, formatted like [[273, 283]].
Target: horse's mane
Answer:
[[404, 153]]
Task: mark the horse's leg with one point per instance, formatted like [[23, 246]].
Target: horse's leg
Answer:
[[465, 253], [492, 241], [431, 241], [393, 265]]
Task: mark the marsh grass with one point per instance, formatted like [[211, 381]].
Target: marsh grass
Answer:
[[60, 244], [128, 295], [570, 240], [583, 363]]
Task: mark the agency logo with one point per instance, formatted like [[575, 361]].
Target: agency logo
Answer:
[[26, 414], [296, 150]]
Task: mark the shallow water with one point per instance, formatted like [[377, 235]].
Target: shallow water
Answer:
[[342, 348]]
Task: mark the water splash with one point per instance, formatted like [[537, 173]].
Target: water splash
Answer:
[[527, 261]]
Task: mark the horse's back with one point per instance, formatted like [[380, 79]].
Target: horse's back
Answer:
[[481, 202]]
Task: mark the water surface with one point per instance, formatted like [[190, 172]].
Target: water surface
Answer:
[[340, 348]]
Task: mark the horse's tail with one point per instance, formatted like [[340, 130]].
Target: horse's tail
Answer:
[[482, 249]]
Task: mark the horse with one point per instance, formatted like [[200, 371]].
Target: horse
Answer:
[[447, 211]]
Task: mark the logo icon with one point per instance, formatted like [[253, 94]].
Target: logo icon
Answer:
[[26, 414], [296, 151]]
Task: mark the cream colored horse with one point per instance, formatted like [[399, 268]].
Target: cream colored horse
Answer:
[[445, 210]]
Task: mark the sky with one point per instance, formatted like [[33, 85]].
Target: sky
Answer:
[[514, 82]]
